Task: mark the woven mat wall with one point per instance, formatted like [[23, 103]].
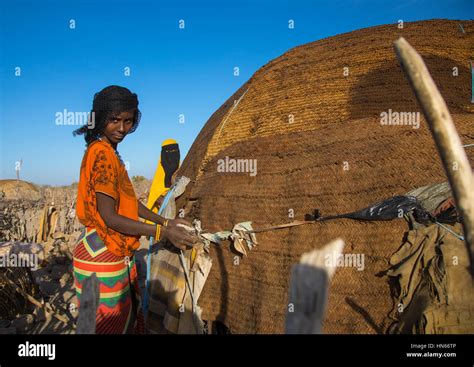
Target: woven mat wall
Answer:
[[301, 167]]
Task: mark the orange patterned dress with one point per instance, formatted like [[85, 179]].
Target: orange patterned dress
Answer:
[[104, 251]]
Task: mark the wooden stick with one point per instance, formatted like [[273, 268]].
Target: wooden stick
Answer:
[[88, 306], [309, 288], [37, 303], [453, 156]]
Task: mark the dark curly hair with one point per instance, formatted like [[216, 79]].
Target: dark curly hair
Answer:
[[107, 104]]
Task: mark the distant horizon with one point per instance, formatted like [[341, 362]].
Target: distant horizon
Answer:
[[179, 57], [61, 186]]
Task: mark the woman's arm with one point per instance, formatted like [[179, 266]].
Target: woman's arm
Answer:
[[178, 236], [145, 213]]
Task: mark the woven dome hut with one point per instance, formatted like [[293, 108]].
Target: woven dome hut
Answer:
[[311, 119]]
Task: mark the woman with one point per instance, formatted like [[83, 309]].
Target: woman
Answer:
[[168, 164], [109, 209]]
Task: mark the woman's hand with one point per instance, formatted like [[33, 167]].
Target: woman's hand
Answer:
[[177, 235]]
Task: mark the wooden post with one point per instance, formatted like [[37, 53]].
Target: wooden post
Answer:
[[453, 156], [309, 287], [88, 306]]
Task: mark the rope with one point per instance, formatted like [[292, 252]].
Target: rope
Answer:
[[458, 236], [282, 226]]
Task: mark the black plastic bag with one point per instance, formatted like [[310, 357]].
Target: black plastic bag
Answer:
[[395, 207]]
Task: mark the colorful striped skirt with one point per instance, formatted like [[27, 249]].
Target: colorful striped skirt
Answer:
[[119, 310]]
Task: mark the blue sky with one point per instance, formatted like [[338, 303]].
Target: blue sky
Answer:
[[174, 71]]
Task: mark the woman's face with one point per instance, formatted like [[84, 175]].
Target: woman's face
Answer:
[[118, 126]]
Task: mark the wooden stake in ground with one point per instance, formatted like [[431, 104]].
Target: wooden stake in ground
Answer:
[[309, 287], [88, 306], [453, 156]]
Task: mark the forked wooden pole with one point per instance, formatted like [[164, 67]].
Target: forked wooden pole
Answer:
[[453, 156]]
